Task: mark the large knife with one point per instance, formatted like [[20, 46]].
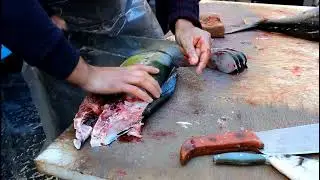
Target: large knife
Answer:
[[294, 167], [293, 140]]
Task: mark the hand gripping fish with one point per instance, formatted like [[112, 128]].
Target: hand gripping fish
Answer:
[[304, 25], [105, 118]]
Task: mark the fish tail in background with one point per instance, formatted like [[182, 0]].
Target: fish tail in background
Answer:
[[299, 30], [304, 25]]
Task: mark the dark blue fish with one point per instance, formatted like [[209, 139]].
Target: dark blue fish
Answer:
[[304, 25]]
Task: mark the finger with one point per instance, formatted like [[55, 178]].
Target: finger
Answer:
[[198, 45], [191, 52], [155, 84], [59, 22], [148, 69], [152, 81], [196, 40], [204, 43], [205, 54], [145, 81], [198, 51], [204, 59], [130, 89]]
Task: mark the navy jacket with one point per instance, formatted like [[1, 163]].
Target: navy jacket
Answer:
[[27, 30]]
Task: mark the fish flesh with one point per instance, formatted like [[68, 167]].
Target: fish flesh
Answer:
[[106, 118], [112, 115], [84, 120], [303, 25]]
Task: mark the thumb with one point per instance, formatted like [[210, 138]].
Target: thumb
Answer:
[[191, 52]]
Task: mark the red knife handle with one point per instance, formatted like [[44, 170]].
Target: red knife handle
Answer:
[[219, 143]]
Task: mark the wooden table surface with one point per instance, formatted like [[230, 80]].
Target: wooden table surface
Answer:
[[279, 89]]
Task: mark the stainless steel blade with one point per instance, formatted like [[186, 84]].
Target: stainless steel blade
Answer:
[[293, 140]]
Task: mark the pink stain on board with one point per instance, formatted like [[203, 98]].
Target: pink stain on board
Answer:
[[161, 134], [121, 172], [296, 70]]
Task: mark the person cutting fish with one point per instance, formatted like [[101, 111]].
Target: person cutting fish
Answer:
[[28, 31]]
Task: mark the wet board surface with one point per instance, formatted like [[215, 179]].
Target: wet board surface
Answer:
[[279, 89]]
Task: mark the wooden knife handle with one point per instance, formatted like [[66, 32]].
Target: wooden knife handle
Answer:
[[219, 143]]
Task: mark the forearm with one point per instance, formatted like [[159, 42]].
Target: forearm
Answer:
[[28, 31], [80, 74]]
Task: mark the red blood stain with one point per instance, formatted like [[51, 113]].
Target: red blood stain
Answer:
[[279, 95], [296, 71], [154, 135], [121, 172], [249, 57], [251, 102], [132, 139], [161, 134]]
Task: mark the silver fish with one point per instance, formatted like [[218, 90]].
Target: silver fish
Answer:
[[304, 25]]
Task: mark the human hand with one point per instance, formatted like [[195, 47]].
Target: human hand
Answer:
[[59, 22], [195, 43], [111, 80]]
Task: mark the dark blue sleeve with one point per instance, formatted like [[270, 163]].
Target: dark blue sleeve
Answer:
[[183, 9], [27, 30]]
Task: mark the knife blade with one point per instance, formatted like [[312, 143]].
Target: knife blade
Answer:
[[293, 140], [294, 167]]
